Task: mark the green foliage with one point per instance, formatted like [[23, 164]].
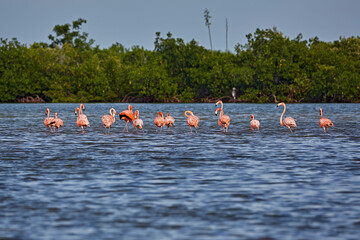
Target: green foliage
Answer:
[[70, 34], [269, 67]]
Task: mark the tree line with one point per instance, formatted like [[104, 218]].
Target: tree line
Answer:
[[270, 67]]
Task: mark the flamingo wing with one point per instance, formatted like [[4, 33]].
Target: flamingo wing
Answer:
[[193, 121], [83, 121], [107, 120], [49, 121], [325, 122], [127, 115], [58, 122], [225, 120], [159, 121], [254, 124], [169, 121], [289, 122], [138, 123]]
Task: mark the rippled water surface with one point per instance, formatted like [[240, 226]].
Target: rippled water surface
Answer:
[[177, 185]]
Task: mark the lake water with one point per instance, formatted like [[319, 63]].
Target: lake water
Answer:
[[177, 185]]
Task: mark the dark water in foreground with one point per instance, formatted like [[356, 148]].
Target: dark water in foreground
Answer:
[[176, 185]]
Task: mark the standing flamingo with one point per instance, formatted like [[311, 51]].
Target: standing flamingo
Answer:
[[49, 121], [224, 120], [82, 120], [324, 122], [192, 120], [159, 120], [58, 122], [108, 120], [138, 123], [169, 120], [254, 123], [127, 116], [287, 122]]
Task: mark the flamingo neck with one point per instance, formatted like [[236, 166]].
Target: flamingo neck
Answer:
[[221, 113], [321, 116], [221, 103], [48, 113], [112, 112], [281, 122]]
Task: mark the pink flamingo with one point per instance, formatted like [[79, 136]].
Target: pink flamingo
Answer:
[[108, 120], [324, 122], [82, 120], [287, 122], [224, 120], [254, 123], [49, 121], [169, 120], [58, 122], [159, 120], [127, 116], [192, 120], [138, 123]]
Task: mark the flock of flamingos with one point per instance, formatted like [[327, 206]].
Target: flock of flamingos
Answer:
[[192, 120]]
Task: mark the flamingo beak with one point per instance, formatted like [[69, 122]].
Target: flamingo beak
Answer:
[[216, 113]]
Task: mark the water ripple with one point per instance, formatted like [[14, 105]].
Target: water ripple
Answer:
[[176, 185]]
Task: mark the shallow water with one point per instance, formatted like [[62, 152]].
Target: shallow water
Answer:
[[176, 185]]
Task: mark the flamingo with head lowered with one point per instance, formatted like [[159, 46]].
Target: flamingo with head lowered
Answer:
[[127, 116], [108, 120], [254, 124], [82, 120], [324, 122], [224, 120], [159, 120], [138, 123], [49, 121], [288, 122], [192, 120], [169, 120]]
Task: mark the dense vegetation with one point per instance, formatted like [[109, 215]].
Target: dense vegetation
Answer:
[[269, 67]]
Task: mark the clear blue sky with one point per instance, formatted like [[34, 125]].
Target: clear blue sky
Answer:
[[135, 22]]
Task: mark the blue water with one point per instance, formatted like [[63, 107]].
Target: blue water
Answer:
[[176, 185]]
